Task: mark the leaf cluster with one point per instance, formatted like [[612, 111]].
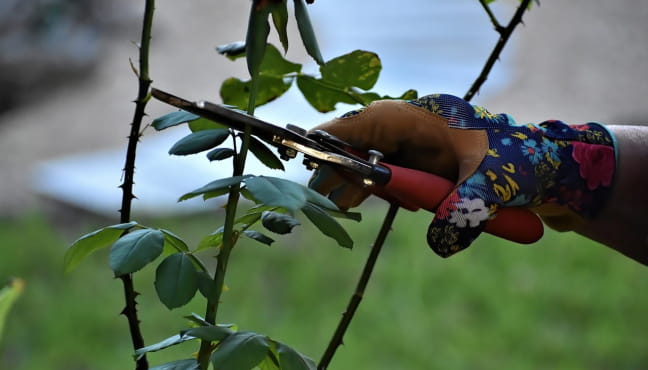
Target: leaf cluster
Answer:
[[233, 349], [345, 79]]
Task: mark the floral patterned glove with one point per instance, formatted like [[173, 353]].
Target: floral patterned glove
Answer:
[[562, 172]]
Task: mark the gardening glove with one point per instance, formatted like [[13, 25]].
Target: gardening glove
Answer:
[[562, 172]]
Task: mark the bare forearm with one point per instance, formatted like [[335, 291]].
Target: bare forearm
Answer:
[[623, 224]]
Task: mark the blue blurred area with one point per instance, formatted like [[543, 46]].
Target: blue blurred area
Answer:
[[435, 46], [430, 48]]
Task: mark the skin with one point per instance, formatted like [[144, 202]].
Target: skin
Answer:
[[623, 225]]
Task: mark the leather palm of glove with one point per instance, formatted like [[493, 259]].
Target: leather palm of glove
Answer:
[[563, 172]]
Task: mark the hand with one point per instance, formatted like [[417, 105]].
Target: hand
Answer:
[[562, 172]]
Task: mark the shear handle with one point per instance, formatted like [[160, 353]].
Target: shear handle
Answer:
[[413, 189]]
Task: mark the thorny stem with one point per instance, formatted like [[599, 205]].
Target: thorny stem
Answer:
[[130, 309], [354, 302], [229, 240], [505, 34], [356, 298], [229, 236], [493, 19]]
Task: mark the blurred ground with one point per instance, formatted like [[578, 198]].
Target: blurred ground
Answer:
[[578, 61]]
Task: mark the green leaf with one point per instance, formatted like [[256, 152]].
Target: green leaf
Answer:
[[8, 295], [273, 191], [367, 98], [249, 218], [93, 241], [274, 64], [214, 186], [197, 319], [271, 79], [306, 32], [166, 343], [265, 155], [359, 69], [240, 351], [199, 141], [355, 216], [173, 243], [255, 235], [212, 333], [214, 194], [278, 222], [269, 363], [327, 225], [135, 250], [188, 364], [318, 199], [176, 280], [280, 21], [257, 35], [232, 50], [173, 119], [236, 92], [253, 215], [201, 124], [206, 286], [278, 192], [219, 154], [409, 95], [290, 359], [322, 96], [213, 240]]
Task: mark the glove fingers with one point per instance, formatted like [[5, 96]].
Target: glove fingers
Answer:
[[325, 180], [457, 223], [348, 196], [343, 193]]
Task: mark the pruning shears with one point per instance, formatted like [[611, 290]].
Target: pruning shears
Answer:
[[409, 188]]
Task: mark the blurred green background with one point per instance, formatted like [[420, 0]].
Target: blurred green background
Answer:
[[562, 303]]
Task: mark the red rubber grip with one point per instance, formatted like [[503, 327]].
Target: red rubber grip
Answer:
[[413, 189]]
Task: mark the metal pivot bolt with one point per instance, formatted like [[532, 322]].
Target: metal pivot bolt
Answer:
[[374, 157], [287, 153], [310, 164]]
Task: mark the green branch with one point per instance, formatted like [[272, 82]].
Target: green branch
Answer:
[[229, 235]]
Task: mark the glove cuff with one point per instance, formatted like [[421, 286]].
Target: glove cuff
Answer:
[[585, 178]]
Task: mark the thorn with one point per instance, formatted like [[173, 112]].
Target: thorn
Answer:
[[133, 68]]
